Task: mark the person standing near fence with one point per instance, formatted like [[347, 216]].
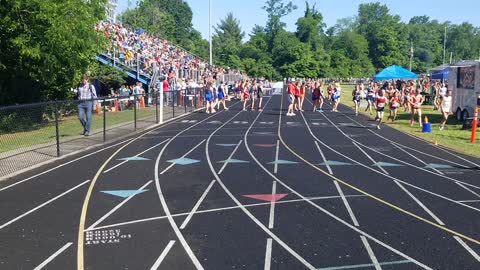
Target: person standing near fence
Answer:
[[86, 96]]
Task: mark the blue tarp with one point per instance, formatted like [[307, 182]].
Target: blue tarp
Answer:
[[394, 72], [441, 75]]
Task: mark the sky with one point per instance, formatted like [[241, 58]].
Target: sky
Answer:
[[250, 12]]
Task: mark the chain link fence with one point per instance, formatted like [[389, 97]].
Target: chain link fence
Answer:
[[34, 133]]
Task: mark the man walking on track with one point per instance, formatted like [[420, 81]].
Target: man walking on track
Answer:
[[86, 95]]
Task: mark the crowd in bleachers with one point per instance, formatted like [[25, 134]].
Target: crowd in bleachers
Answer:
[[152, 53]]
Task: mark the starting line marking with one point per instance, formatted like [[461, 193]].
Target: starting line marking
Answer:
[[363, 265]]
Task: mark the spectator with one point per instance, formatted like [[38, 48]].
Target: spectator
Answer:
[[86, 95]]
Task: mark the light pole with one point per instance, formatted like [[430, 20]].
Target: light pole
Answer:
[[444, 44], [210, 28]]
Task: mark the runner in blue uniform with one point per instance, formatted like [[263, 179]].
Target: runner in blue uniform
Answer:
[[209, 98], [221, 96]]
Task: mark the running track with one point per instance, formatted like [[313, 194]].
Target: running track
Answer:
[[249, 190]]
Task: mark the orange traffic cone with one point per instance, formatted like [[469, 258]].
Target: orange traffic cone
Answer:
[[116, 105], [426, 119], [98, 109], [142, 102]]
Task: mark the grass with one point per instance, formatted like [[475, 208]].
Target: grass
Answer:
[[68, 127], [452, 136]]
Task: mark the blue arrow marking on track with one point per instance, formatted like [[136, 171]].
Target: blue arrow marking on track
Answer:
[[123, 193], [183, 161], [386, 164], [438, 166], [232, 160], [283, 162], [227, 144], [134, 159], [335, 163]]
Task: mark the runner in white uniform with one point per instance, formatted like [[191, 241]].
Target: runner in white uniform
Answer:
[[446, 107]]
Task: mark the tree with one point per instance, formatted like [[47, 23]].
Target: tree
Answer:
[[276, 9], [227, 40], [310, 27], [45, 45]]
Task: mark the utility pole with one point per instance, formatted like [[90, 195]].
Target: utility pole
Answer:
[[210, 28], [411, 54], [444, 44]]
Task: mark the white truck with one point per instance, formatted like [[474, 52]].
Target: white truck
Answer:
[[464, 81]]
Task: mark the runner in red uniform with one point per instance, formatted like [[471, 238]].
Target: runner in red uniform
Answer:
[[381, 102]]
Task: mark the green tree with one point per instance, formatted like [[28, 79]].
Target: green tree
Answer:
[[463, 41], [45, 45], [227, 41], [310, 28], [276, 9]]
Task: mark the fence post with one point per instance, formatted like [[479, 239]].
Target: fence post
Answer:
[[104, 120], [135, 113], [185, 99], [57, 131], [173, 104], [157, 120]]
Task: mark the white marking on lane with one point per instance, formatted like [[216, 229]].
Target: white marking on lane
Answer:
[[194, 209], [469, 190], [53, 256], [469, 249], [420, 203], [229, 157], [163, 255], [117, 207], [219, 210], [275, 168], [324, 159], [419, 160], [347, 205], [369, 157], [268, 254], [43, 204], [271, 219], [370, 253], [139, 154], [186, 154]]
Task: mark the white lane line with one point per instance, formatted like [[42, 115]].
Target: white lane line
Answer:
[[42, 205], [195, 208], [117, 207], [53, 256], [369, 157], [324, 159], [163, 255], [271, 219], [469, 201], [425, 208], [268, 254], [229, 157], [139, 154], [275, 167], [218, 210], [469, 190], [347, 205], [419, 160], [370, 253], [191, 150], [394, 178], [467, 248], [470, 250]]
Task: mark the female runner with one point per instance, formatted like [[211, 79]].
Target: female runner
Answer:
[[416, 102], [381, 101]]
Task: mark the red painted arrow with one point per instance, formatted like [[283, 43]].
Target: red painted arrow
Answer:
[[266, 197], [265, 145]]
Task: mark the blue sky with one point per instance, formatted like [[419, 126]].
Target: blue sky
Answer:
[[250, 12]]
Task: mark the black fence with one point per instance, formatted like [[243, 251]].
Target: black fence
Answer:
[[34, 133]]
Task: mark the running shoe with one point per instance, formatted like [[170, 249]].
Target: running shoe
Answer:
[[320, 111], [378, 126]]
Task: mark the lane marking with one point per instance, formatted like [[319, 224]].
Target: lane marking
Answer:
[[42, 205], [275, 167], [240, 205], [271, 219], [83, 216], [139, 154], [195, 208], [370, 253], [366, 265], [163, 255], [369, 157], [219, 210], [347, 205], [425, 208], [469, 190], [186, 154], [229, 157], [324, 159], [413, 156], [268, 254], [470, 201], [469, 249], [53, 256], [118, 206]]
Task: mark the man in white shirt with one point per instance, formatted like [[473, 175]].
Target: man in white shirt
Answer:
[[86, 95]]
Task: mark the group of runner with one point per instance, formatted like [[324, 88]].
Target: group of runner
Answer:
[[298, 90], [396, 95], [216, 96], [246, 91]]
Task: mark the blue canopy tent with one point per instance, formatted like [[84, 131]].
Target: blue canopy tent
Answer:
[[394, 72], [441, 75]]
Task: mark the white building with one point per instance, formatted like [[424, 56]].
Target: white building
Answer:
[[112, 10]]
